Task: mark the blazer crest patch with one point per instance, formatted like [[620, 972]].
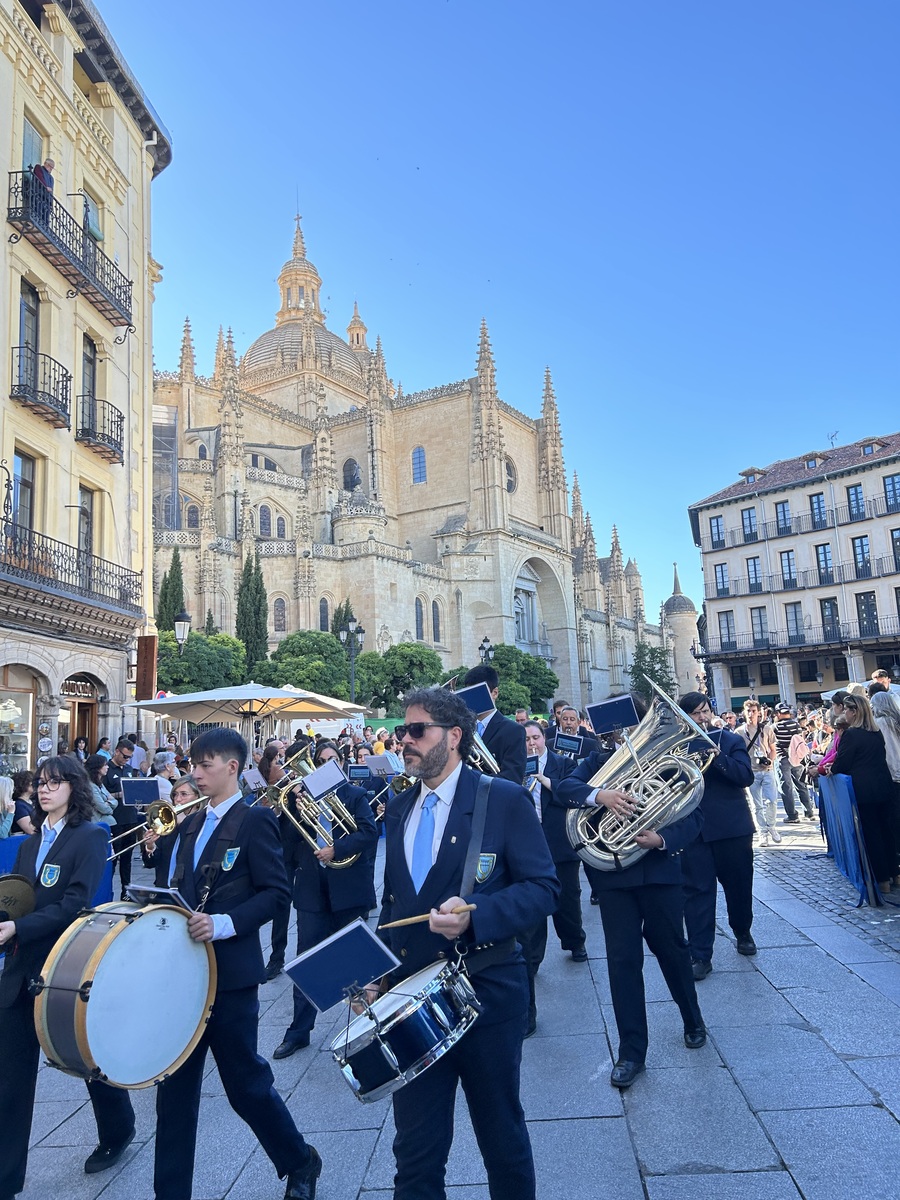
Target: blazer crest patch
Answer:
[[49, 875], [230, 858], [486, 864]]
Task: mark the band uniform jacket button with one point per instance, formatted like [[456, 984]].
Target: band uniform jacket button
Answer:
[[403, 952]]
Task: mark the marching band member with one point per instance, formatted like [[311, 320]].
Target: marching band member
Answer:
[[503, 737]]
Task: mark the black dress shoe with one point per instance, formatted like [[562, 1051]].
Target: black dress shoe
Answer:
[[105, 1157], [694, 1039], [301, 1185], [290, 1046], [701, 968], [595, 899], [273, 970], [746, 944], [624, 1073], [580, 955]]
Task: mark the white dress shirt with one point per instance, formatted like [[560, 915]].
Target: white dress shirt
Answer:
[[445, 793]]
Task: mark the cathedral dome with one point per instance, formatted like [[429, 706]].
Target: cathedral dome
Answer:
[[281, 347], [678, 602]]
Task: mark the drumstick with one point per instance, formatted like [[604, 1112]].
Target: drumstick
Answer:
[[426, 917]]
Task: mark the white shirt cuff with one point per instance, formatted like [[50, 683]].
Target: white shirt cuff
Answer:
[[223, 927]]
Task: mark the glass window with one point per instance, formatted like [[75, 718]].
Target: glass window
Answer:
[[352, 478], [202, 453], [265, 521], [279, 615], [788, 568], [807, 670], [726, 628], [892, 492], [867, 614], [29, 316], [512, 478], [88, 366], [812, 463], [862, 563], [420, 621], [855, 502], [868, 449], [754, 574], [717, 533], [32, 146], [768, 673], [324, 623], [840, 668], [436, 621], [824, 563], [783, 516], [759, 625], [85, 520], [748, 524], [831, 621], [193, 516], [23, 490], [281, 529], [418, 465], [895, 548], [817, 510], [794, 618], [740, 676], [269, 464], [721, 570]]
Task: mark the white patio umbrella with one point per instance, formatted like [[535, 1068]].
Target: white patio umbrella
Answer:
[[248, 701]]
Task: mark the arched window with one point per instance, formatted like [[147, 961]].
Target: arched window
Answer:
[[436, 621], [418, 465], [280, 529], [193, 517], [265, 521], [352, 478], [279, 615], [201, 453], [324, 622], [420, 621], [512, 476]]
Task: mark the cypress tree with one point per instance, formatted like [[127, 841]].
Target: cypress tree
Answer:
[[176, 586], [163, 607]]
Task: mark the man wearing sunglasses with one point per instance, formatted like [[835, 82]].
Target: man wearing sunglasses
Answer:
[[428, 831]]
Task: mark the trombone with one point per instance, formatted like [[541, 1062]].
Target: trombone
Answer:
[[161, 818]]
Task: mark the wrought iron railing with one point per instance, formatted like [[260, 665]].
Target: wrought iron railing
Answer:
[[48, 563], [846, 572], [102, 426], [41, 383], [828, 635], [64, 241]]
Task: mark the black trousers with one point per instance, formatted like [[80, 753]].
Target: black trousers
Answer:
[[283, 917], [877, 821], [312, 927], [486, 1061], [20, 1054], [730, 861], [123, 862], [567, 919], [249, 1086], [654, 913], [791, 778]]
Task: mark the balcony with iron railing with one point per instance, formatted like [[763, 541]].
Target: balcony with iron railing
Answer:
[[50, 227], [844, 514], [54, 566], [810, 638], [41, 384], [848, 572], [102, 427]]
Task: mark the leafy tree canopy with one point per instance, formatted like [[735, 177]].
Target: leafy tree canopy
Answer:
[[651, 662], [207, 662], [408, 665], [511, 696], [531, 674], [307, 659], [171, 594], [343, 615]]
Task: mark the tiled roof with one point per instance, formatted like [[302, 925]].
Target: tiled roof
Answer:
[[790, 471]]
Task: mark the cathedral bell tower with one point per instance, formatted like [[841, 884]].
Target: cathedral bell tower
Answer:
[[299, 284]]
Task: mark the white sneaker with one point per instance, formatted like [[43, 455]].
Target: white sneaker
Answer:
[[776, 836], [764, 839]]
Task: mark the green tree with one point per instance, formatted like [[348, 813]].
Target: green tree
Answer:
[[371, 678], [174, 597], [651, 662], [165, 614], [408, 665], [511, 696], [210, 627], [343, 615], [532, 674], [308, 659], [207, 662], [252, 623]]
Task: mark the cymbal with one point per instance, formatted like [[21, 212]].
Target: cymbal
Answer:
[[16, 897]]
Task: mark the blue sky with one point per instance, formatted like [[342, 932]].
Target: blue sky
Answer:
[[687, 209]]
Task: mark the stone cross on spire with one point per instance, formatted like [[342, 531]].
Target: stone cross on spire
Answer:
[[299, 250]]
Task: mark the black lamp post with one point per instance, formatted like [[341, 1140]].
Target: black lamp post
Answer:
[[182, 629], [486, 650], [352, 636]]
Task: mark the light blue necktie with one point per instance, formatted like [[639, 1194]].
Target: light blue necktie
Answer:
[[48, 837], [480, 726], [204, 835], [325, 826], [424, 842]]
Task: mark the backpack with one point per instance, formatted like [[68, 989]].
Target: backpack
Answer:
[[798, 751]]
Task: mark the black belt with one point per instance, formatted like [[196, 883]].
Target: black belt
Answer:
[[479, 958]]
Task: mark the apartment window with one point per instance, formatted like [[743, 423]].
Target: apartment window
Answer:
[[895, 547], [824, 563], [794, 619], [788, 568], [420, 620], [892, 493], [721, 570], [85, 520], [818, 511], [717, 533], [754, 574], [868, 449], [831, 621], [748, 523], [726, 630], [856, 505], [91, 219], [265, 521], [740, 677], [279, 615], [88, 366], [29, 318], [811, 464], [783, 516], [768, 674], [193, 516], [897, 601], [23, 490], [867, 614], [436, 621], [281, 529], [807, 670], [840, 669], [418, 465], [759, 626], [32, 145], [750, 477], [862, 563], [324, 622]]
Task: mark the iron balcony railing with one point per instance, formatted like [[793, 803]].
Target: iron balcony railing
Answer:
[[41, 383], [810, 638], [64, 241], [844, 514], [101, 426], [48, 563], [848, 572]]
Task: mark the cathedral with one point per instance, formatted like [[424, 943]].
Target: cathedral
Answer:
[[305, 451]]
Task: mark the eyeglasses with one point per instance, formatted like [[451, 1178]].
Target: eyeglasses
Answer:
[[52, 785], [416, 729]]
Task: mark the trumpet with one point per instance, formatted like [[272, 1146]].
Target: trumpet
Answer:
[[481, 758], [161, 819]]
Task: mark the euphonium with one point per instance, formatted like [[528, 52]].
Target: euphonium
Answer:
[[661, 771]]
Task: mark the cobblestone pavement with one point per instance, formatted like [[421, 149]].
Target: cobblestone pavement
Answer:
[[796, 1094]]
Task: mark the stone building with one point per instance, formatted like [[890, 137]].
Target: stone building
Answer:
[[76, 280], [443, 515]]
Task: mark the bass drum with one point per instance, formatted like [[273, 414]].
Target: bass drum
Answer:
[[126, 994]]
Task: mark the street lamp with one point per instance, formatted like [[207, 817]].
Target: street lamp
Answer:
[[820, 678], [182, 629], [486, 650], [751, 683], [352, 636]]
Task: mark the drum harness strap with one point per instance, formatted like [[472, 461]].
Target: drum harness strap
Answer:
[[476, 958], [225, 839]]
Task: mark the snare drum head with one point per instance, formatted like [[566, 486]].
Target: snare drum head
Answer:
[[361, 1028], [152, 988]]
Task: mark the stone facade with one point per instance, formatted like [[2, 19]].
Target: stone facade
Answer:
[[443, 515]]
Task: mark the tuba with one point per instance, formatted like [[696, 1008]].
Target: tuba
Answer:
[[309, 812], [661, 767]]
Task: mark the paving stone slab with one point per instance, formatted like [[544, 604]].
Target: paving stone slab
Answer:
[[666, 1046], [48, 1116], [882, 1075], [802, 915], [585, 1160], [729, 998], [694, 1121], [758, 1047], [564, 1009], [80, 1129], [839, 1152], [846, 947], [58, 1171], [566, 1077], [463, 1168], [802, 966], [323, 1101], [771, 930], [856, 1021], [883, 976], [345, 1158], [749, 1185], [466, 1192]]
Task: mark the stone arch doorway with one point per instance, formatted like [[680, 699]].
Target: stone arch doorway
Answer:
[[543, 619], [79, 713]]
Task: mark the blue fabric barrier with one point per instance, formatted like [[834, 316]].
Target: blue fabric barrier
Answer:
[[845, 836], [9, 848]]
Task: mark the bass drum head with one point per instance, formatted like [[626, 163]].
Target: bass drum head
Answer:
[[152, 989]]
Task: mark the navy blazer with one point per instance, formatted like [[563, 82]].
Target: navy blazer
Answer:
[[345, 887], [518, 890], [656, 866], [80, 854], [553, 813], [251, 891], [506, 741], [725, 804]]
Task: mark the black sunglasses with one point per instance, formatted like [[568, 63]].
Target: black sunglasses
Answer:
[[416, 729]]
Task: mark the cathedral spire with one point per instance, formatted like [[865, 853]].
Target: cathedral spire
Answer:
[[487, 380], [590, 544], [676, 587], [299, 284], [186, 363], [577, 513], [356, 332], [219, 361], [552, 469], [299, 243], [615, 554]]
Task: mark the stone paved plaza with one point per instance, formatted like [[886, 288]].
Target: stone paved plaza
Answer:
[[797, 1093]]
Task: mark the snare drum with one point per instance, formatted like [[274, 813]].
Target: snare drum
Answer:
[[126, 995], [405, 1031]]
